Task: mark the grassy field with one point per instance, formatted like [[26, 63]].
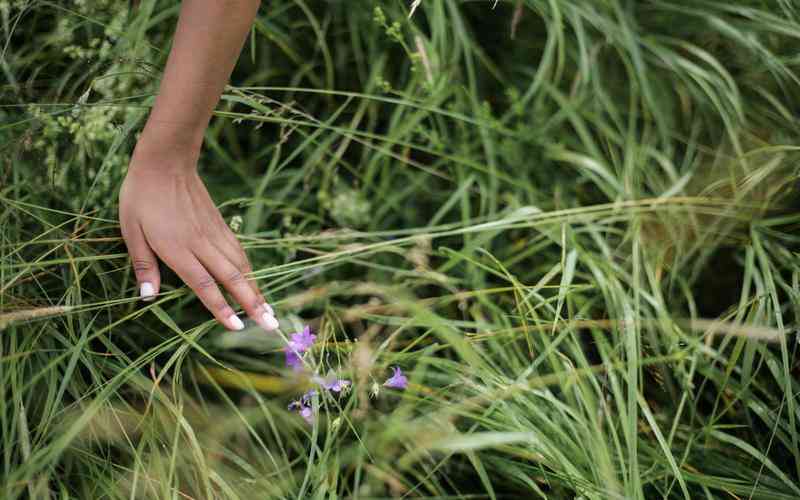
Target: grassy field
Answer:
[[572, 223]]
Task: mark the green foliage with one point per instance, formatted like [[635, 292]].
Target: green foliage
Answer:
[[572, 223]]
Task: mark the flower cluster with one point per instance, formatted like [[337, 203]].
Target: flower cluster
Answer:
[[301, 342]]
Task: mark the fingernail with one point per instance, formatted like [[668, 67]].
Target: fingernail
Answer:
[[270, 323], [269, 309], [235, 322], [146, 291]]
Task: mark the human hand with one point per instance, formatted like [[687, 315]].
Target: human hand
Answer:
[[166, 211]]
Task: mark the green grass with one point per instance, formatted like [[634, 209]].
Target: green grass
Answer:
[[573, 223]]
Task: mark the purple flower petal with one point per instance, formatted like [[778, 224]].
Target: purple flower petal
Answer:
[[293, 361], [307, 414], [398, 380], [306, 399]]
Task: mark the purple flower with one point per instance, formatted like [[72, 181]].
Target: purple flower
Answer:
[[398, 380], [304, 406], [337, 385], [332, 383], [302, 341]]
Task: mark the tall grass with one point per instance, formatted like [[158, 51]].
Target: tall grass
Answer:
[[572, 223]]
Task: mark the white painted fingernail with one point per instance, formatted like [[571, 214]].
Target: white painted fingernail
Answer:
[[269, 309], [146, 291], [270, 323], [235, 322]]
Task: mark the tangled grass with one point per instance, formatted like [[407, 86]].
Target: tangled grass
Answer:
[[572, 223]]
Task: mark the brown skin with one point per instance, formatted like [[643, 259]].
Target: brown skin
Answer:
[[164, 207]]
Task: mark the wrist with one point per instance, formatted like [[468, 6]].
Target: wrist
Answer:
[[179, 136], [167, 146]]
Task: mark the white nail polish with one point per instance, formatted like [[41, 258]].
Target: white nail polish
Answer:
[[235, 322], [270, 323], [269, 309], [146, 291]]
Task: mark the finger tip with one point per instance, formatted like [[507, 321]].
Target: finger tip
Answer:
[[147, 291], [269, 322], [234, 323]]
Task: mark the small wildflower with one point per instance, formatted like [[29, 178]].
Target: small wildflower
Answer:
[[236, 223], [332, 383], [375, 390], [397, 380], [337, 385], [304, 406], [302, 341]]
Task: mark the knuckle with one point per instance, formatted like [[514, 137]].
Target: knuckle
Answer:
[[204, 282], [221, 225], [240, 261], [140, 265], [234, 278], [222, 307], [244, 264], [200, 230]]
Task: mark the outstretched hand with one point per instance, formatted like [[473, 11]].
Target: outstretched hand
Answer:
[[167, 213]]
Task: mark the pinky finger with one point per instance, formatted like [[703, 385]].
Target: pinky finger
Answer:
[[144, 261]]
